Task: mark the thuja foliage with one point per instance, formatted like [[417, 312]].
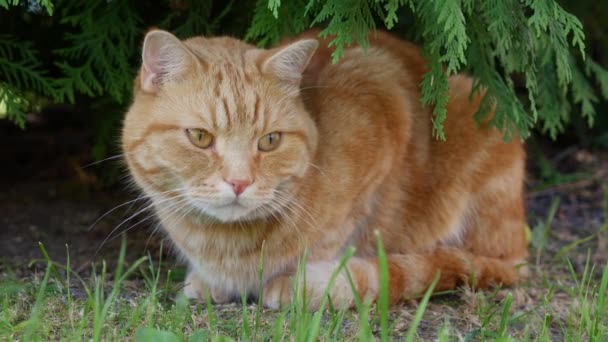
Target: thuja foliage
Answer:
[[528, 55]]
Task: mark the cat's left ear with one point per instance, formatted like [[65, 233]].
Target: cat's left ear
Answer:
[[164, 58], [288, 63]]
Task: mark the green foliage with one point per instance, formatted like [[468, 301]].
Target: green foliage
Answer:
[[97, 56], [346, 20], [12, 105], [528, 56], [273, 20], [21, 70], [46, 3], [196, 17]]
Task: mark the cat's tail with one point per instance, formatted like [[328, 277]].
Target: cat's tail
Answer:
[[410, 275]]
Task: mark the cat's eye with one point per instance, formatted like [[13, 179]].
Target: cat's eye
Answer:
[[269, 142], [199, 137]]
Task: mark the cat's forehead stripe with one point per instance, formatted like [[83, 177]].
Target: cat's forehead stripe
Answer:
[[212, 114], [226, 112], [219, 77], [235, 95], [256, 108]]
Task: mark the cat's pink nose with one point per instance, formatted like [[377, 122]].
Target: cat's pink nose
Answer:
[[238, 185]]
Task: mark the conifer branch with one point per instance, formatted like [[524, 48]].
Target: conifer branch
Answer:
[[529, 56]]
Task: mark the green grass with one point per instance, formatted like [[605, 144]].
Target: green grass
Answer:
[[141, 301]]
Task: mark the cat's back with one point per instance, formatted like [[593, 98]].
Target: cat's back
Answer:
[[366, 84], [362, 102], [375, 92], [386, 62], [474, 150]]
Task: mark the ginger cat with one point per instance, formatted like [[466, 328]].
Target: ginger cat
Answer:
[[240, 148]]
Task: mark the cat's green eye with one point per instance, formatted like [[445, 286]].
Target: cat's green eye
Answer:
[[269, 142], [200, 137]]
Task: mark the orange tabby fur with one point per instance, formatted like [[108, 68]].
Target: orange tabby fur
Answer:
[[356, 156]]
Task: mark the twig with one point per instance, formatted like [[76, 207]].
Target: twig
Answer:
[[569, 186]]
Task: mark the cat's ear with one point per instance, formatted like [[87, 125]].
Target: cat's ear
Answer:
[[164, 57], [288, 63]]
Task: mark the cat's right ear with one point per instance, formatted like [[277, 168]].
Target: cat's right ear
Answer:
[[288, 63], [164, 57]]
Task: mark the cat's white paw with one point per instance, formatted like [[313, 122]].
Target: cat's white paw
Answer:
[[318, 276], [196, 289], [279, 291]]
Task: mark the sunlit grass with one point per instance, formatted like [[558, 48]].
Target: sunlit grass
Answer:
[[2, 109]]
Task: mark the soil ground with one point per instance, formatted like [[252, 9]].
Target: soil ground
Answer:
[[48, 196]]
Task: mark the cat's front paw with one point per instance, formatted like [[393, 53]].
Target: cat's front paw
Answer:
[[279, 292], [195, 288]]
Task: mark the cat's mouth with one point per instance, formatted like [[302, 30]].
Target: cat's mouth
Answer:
[[231, 211], [234, 204]]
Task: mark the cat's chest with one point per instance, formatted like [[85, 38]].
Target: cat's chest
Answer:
[[234, 271], [229, 258], [211, 248]]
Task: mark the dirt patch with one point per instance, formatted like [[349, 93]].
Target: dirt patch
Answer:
[[49, 195]]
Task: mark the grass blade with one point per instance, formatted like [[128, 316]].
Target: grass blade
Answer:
[[34, 321], [316, 321], [245, 327], [505, 316], [411, 333], [383, 297]]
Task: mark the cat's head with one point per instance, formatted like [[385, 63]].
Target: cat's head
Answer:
[[217, 127]]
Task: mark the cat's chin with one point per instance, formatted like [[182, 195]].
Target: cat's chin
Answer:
[[230, 213]]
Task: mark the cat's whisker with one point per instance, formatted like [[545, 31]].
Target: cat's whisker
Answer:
[[293, 201], [110, 239], [205, 220], [107, 159], [288, 198], [154, 230], [299, 215], [286, 210], [112, 210], [185, 213], [318, 168], [167, 216], [175, 206], [128, 178], [161, 222], [297, 203], [143, 196], [281, 208], [290, 224], [172, 211], [134, 215]]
